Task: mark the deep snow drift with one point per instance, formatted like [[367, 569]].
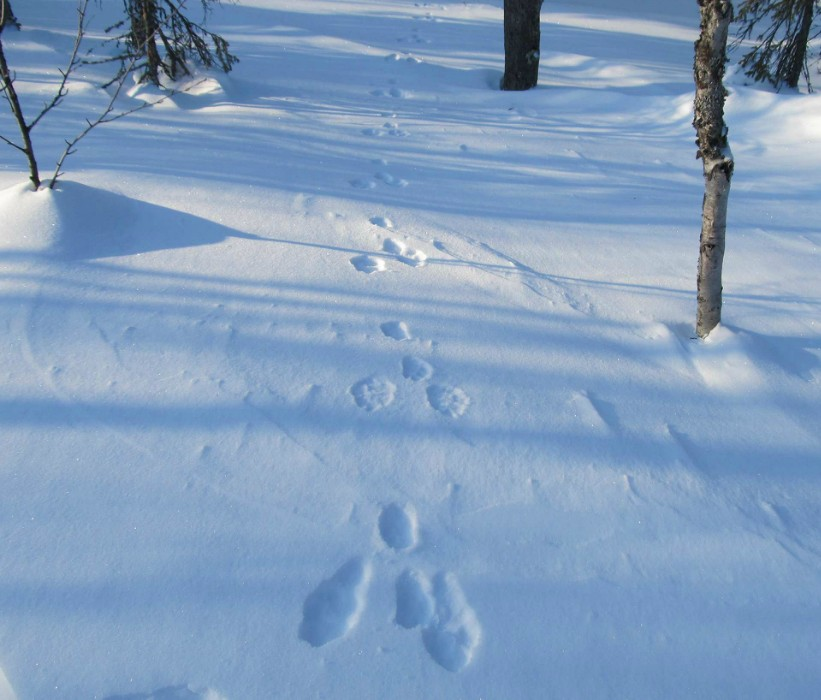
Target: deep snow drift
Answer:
[[348, 375]]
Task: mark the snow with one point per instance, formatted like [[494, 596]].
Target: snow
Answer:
[[348, 375]]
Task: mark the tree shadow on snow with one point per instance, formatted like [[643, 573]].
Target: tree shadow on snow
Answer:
[[93, 223]]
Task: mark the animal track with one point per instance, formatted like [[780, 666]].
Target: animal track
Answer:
[[416, 369], [383, 177], [381, 221], [408, 58], [398, 526], [454, 632], [394, 247], [393, 129], [449, 401], [394, 92], [373, 394], [335, 606], [409, 256], [388, 129], [450, 630], [391, 180], [368, 264], [414, 258], [398, 330], [363, 184], [414, 38], [414, 600]]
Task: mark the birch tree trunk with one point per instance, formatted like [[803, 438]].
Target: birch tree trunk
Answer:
[[714, 151], [522, 44]]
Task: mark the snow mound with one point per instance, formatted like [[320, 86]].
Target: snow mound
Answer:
[[724, 361], [78, 222], [31, 220]]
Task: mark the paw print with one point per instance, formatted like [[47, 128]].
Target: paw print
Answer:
[[449, 628]]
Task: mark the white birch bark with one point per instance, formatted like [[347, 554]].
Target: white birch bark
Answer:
[[713, 149]]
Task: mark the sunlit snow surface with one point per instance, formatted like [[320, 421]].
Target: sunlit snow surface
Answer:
[[347, 375]]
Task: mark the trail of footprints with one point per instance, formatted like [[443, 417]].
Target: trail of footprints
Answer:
[[375, 393], [449, 629]]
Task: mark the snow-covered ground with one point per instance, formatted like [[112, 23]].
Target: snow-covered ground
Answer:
[[350, 376]]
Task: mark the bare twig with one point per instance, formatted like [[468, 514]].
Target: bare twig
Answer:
[[62, 90], [106, 117], [10, 93], [17, 111], [12, 144]]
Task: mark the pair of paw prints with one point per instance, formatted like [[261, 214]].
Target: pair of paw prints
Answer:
[[387, 129], [375, 393], [407, 57], [450, 630], [397, 250], [382, 176]]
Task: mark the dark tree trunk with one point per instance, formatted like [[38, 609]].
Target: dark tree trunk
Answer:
[[714, 151], [795, 53], [7, 15], [781, 31], [162, 39], [522, 39], [143, 38]]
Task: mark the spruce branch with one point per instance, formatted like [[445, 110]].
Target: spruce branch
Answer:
[[106, 116]]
